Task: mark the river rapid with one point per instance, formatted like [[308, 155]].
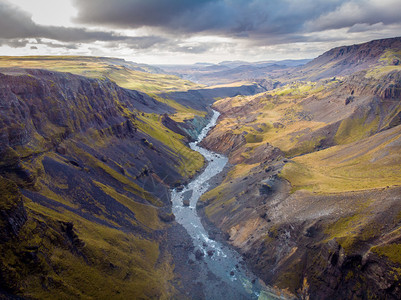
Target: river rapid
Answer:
[[224, 274]]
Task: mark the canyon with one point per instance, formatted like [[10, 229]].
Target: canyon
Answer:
[[93, 149]]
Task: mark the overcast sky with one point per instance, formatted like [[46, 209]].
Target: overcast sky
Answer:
[[189, 31]]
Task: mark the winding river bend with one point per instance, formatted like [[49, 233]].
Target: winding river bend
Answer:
[[224, 274]]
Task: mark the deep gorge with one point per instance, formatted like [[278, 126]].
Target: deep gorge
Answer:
[[110, 187]]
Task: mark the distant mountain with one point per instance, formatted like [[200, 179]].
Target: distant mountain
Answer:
[[339, 61], [287, 62], [233, 71], [234, 64], [346, 60], [111, 61]]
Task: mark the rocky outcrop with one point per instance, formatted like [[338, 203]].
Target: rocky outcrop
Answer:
[[172, 125], [190, 128], [225, 143], [391, 87], [194, 127]]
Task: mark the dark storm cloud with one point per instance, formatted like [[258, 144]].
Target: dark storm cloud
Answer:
[[171, 23], [16, 25], [58, 45], [228, 17], [125, 13], [14, 43], [238, 18]]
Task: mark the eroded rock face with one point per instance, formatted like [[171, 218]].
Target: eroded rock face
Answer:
[[225, 143], [173, 126], [58, 104], [43, 110], [287, 238]]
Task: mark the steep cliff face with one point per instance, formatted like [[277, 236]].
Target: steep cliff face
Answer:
[[85, 172], [37, 100], [41, 109], [313, 198]]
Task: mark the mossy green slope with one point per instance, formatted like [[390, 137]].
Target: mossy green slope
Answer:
[[59, 255]]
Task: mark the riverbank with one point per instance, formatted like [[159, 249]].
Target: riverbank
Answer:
[[216, 234], [224, 274]]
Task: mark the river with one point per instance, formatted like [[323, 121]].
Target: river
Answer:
[[224, 274]]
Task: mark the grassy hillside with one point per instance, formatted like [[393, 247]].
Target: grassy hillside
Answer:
[[303, 117], [62, 254], [314, 190], [369, 163], [97, 67]]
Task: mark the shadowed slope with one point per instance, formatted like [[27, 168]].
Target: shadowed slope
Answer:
[[84, 176]]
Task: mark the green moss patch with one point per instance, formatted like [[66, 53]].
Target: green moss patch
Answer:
[[354, 129], [391, 251], [253, 138], [9, 194]]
